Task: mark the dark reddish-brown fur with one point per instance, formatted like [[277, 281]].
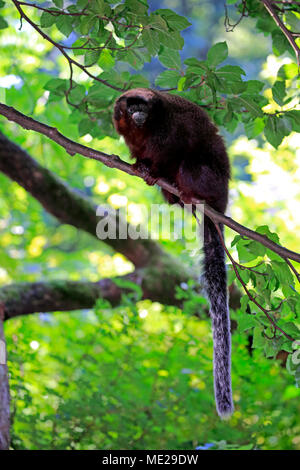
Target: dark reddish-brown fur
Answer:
[[178, 143]]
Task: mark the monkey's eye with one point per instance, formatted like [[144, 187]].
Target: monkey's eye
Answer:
[[132, 109]]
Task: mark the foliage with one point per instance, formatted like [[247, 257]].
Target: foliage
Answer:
[[106, 38], [138, 377]]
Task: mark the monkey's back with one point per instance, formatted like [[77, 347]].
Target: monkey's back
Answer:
[[193, 127]]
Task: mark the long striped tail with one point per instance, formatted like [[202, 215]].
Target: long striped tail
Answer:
[[216, 289]]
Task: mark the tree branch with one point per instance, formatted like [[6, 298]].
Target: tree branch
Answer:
[[25, 298], [114, 161], [62, 49], [283, 28]]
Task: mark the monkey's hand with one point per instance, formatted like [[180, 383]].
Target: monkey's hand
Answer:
[[142, 170], [185, 198]]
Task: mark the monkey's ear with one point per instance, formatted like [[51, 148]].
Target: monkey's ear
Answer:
[[120, 108]]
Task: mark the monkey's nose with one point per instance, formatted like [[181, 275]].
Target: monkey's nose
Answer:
[[139, 118]]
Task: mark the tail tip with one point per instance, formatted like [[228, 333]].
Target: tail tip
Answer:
[[225, 412]]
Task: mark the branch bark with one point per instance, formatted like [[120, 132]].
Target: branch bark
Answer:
[[114, 161], [288, 34], [157, 283]]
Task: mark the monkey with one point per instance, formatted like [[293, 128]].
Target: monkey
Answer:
[[173, 138]]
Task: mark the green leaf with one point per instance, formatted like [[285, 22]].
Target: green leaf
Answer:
[[137, 6], [78, 44], [139, 81], [3, 23], [175, 22], [276, 129], [254, 127], [245, 320], [288, 71], [283, 273], [47, 19], [278, 92], [168, 79], [65, 24], [217, 53], [294, 118], [287, 345], [58, 85], [170, 58], [77, 94], [250, 105], [293, 20], [264, 230], [91, 57], [225, 83], [266, 24], [173, 40], [181, 84], [259, 340], [280, 43], [245, 255], [291, 329], [230, 71], [81, 4], [192, 62], [99, 7], [87, 23], [134, 58], [256, 248], [231, 125], [158, 23], [273, 346], [254, 87], [151, 41], [271, 133], [106, 61], [59, 3], [85, 126]]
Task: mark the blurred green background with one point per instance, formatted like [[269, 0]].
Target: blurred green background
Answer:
[[138, 376]]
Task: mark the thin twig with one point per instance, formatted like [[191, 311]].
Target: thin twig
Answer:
[[265, 311], [231, 27], [283, 28], [61, 49]]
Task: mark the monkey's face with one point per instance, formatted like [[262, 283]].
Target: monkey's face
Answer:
[[130, 112], [133, 110], [138, 112]]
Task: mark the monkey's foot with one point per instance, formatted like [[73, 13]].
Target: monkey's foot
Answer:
[[150, 180], [144, 172], [186, 199]]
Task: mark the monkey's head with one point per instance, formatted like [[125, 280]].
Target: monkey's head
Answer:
[[134, 110]]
